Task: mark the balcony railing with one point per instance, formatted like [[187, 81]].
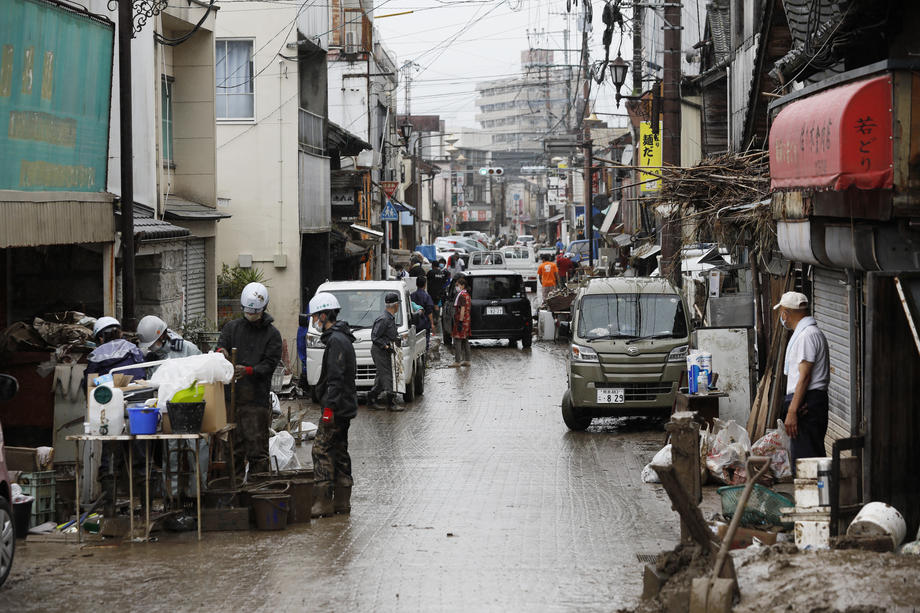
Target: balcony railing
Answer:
[[311, 133]]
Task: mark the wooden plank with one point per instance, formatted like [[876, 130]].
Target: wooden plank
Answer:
[[689, 512]]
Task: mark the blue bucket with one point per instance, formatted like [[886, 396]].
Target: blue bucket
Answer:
[[143, 420]]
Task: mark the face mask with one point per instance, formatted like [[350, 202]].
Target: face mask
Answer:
[[253, 317], [782, 320]]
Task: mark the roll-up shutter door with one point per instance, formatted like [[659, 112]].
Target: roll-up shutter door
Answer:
[[195, 280], [831, 311]]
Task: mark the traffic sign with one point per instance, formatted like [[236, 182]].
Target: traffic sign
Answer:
[[389, 212], [389, 187]]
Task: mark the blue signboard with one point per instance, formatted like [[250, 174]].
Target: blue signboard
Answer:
[[55, 87], [389, 212]]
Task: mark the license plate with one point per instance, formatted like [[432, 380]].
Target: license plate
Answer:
[[611, 395], [495, 310]]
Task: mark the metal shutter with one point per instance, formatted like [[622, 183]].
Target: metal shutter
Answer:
[[195, 280], [831, 310]]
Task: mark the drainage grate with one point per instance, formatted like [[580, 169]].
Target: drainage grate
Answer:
[[647, 558]]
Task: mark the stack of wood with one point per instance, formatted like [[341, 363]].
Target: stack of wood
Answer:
[[724, 197]]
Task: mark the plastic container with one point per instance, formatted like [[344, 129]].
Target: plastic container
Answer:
[[877, 519], [193, 393], [764, 507], [41, 487], [22, 514], [106, 414], [271, 511], [143, 420], [185, 417]]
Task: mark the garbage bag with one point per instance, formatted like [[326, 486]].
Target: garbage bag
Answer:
[[179, 373], [276, 404], [775, 445], [662, 458], [730, 448], [281, 450]]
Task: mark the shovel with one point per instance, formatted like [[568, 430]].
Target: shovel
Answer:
[[715, 594]]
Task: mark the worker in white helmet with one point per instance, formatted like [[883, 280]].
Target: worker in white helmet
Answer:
[[160, 342], [112, 351], [258, 345]]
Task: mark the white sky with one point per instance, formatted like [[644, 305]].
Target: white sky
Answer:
[[457, 43]]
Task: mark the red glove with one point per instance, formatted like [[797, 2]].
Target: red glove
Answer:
[[327, 415]]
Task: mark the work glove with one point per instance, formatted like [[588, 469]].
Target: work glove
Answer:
[[327, 415]]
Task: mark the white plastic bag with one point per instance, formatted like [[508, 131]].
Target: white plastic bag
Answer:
[[662, 458], [775, 445], [730, 449], [179, 373], [276, 404], [281, 451]]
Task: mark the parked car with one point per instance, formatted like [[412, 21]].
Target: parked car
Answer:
[[362, 303], [519, 258], [486, 259], [478, 236], [545, 251], [8, 388], [500, 307], [577, 251], [446, 242], [524, 239], [629, 339]]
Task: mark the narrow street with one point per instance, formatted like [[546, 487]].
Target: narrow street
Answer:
[[475, 498]]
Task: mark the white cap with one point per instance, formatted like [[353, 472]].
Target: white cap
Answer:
[[254, 297], [793, 300], [323, 301], [149, 329]]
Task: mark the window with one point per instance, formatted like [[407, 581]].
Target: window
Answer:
[[166, 111], [496, 288], [631, 316], [361, 307], [234, 98]]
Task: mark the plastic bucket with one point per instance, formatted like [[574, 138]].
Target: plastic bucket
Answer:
[[185, 417], [271, 511], [22, 514], [879, 519], [301, 500], [143, 420]]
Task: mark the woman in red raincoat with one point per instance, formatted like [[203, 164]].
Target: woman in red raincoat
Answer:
[[461, 330]]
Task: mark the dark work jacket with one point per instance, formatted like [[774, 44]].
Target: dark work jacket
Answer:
[[416, 271], [115, 354], [384, 331], [259, 346], [437, 282], [336, 386]]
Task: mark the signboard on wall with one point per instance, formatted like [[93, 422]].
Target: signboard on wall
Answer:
[[649, 156], [55, 92], [343, 197]]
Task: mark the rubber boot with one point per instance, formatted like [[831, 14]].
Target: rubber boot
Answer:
[[342, 499], [392, 404], [322, 501], [107, 487]]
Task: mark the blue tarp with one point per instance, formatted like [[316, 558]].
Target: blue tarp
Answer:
[[428, 251]]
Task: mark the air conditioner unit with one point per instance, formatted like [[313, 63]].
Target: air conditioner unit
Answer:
[[350, 45]]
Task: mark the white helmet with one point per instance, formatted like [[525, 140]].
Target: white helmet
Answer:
[[254, 297], [149, 329], [104, 322], [323, 301]]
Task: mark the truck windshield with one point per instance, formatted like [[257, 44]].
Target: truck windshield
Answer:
[[496, 288], [361, 307], [631, 316]]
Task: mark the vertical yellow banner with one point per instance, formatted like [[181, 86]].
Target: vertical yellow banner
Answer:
[[649, 156]]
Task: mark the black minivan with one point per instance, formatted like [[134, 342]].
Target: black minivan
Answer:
[[500, 308]]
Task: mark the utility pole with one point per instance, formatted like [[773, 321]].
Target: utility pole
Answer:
[[587, 146], [637, 49], [670, 137], [126, 137]]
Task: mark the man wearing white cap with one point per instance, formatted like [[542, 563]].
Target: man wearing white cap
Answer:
[[807, 375]]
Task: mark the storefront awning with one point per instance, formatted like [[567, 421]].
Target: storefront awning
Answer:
[[365, 230], [555, 218], [646, 251], [612, 211], [836, 139]]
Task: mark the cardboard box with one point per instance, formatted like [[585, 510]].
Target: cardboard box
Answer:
[[744, 537], [23, 459], [215, 410]]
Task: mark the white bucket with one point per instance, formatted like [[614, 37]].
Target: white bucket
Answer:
[[546, 326], [877, 519]]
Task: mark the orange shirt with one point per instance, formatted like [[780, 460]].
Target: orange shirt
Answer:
[[547, 272]]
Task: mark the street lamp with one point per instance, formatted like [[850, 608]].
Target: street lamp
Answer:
[[406, 131], [618, 69]]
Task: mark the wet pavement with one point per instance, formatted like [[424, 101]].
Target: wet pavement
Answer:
[[476, 497]]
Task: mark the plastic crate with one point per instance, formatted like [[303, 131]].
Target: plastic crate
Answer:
[[763, 506], [40, 485]]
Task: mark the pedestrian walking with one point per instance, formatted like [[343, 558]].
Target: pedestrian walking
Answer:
[[564, 265], [384, 336], [424, 300], [461, 324], [454, 265], [415, 265], [548, 273], [258, 345], [336, 394], [560, 246], [438, 278], [807, 375]]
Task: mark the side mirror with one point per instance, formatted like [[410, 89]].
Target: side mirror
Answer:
[[565, 329], [8, 387]]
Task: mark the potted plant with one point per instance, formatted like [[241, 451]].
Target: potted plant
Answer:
[[230, 284]]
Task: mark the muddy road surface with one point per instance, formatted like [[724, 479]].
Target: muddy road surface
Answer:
[[476, 498]]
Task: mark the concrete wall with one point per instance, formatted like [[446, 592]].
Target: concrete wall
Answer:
[[263, 193], [160, 280]]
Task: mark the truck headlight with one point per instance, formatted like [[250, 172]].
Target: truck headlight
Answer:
[[678, 354], [584, 354], [314, 342]]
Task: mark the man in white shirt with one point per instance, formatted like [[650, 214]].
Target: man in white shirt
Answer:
[[807, 375]]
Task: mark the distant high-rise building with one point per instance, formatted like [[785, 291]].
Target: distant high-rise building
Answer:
[[518, 112]]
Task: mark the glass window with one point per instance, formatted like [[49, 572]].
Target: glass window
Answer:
[[166, 109], [496, 288], [234, 98], [631, 316], [361, 307]]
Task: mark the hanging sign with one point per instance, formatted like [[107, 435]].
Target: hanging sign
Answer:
[[649, 156]]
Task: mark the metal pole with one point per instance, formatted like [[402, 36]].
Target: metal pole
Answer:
[[125, 34], [637, 49], [589, 197], [670, 138]]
